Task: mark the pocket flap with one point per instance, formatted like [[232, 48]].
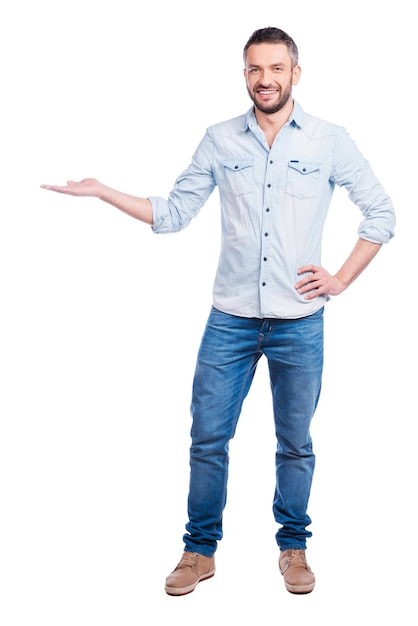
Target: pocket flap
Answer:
[[304, 167], [238, 164]]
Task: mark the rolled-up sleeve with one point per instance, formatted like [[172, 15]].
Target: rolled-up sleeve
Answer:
[[191, 190], [353, 171]]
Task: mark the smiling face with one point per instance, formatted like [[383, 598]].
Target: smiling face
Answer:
[[270, 76]]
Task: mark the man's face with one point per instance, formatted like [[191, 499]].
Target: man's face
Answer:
[[269, 75]]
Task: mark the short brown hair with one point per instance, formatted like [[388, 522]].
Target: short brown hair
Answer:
[[273, 35]]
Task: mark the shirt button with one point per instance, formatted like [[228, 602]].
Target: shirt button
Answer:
[[271, 162], [268, 186], [266, 234], [263, 284], [265, 258], [267, 210], [236, 167]]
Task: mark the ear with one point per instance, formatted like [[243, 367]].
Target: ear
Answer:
[[297, 70]]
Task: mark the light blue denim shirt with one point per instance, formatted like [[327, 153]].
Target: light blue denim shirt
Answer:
[[274, 202]]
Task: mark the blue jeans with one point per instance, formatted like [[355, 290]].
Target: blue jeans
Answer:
[[229, 352]]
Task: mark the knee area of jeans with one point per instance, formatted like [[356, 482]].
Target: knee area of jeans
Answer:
[[304, 452], [210, 450]]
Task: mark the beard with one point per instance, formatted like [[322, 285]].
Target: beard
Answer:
[[272, 107]]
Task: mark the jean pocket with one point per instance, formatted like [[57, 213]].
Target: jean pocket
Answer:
[[302, 179], [238, 176]]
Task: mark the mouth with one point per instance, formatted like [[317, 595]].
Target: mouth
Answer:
[[262, 92]]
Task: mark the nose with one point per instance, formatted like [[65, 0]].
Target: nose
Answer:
[[266, 76]]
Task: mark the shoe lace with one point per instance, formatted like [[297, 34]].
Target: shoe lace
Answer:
[[298, 555], [187, 560]]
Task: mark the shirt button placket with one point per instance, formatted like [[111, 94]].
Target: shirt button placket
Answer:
[[264, 275]]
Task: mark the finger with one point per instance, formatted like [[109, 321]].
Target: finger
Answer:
[[312, 296], [52, 187], [308, 288], [49, 187], [307, 268], [306, 280]]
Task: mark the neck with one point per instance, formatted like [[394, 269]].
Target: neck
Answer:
[[271, 123]]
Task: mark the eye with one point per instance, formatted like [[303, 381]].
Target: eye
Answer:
[[254, 70]]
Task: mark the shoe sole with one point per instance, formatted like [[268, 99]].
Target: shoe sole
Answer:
[[183, 591], [300, 589]]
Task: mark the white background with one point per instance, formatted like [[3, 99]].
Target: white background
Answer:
[[101, 319]]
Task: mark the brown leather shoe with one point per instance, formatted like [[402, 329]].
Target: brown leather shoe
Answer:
[[192, 568], [298, 576]]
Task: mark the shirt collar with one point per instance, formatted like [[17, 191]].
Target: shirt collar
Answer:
[[296, 117]]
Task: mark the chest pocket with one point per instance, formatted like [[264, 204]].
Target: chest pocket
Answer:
[[302, 179], [238, 176]]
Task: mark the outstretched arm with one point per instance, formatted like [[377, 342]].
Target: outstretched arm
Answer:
[[139, 208], [320, 282]]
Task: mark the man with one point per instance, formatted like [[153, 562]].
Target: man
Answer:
[[276, 168]]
